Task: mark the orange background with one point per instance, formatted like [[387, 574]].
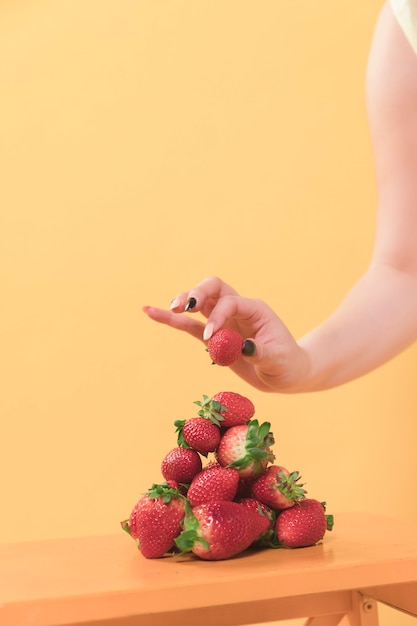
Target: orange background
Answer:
[[146, 145]]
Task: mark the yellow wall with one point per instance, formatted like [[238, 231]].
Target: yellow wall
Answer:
[[143, 146]]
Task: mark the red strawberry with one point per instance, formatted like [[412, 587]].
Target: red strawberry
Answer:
[[214, 483], [259, 507], [247, 448], [220, 530], [278, 488], [181, 464], [156, 520], [225, 347], [268, 537], [244, 488], [304, 524], [227, 408], [198, 433]]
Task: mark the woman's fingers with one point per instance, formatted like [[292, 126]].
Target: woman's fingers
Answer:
[[252, 352], [180, 322], [270, 354], [202, 297], [246, 315]]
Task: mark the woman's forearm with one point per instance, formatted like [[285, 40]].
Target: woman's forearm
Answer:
[[376, 321]]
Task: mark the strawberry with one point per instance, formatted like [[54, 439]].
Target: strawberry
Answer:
[[244, 488], [156, 520], [181, 464], [246, 447], [268, 537], [225, 346], [227, 408], [277, 488], [198, 433], [220, 530], [259, 507], [214, 483], [304, 524]]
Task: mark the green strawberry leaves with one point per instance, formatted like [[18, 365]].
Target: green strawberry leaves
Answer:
[[190, 535], [163, 491], [288, 486], [211, 409], [125, 525], [329, 518], [258, 440], [178, 429]]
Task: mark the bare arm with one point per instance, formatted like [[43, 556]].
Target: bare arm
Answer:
[[378, 317]]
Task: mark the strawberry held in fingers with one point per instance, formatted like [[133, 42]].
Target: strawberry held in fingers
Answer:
[[227, 408], [181, 464], [247, 448], [220, 530], [225, 347], [156, 520], [213, 483], [303, 525], [278, 488]]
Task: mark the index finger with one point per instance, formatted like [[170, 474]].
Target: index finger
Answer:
[[203, 296]]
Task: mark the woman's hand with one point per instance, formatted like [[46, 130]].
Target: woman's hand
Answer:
[[271, 359]]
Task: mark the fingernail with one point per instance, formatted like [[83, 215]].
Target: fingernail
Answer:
[[191, 302], [175, 303], [249, 347], [208, 331]]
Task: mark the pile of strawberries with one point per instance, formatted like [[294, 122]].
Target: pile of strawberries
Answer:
[[223, 491]]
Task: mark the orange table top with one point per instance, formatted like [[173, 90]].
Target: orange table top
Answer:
[[104, 577]]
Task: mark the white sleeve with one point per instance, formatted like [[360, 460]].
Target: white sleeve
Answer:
[[406, 13]]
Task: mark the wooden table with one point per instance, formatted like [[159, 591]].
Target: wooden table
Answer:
[[104, 580]]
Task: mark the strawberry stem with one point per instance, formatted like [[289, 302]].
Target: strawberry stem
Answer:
[[329, 518], [179, 424], [258, 440], [211, 410], [190, 535], [125, 525], [288, 486], [164, 491]]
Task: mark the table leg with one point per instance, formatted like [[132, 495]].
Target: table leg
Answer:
[[364, 611], [401, 596]]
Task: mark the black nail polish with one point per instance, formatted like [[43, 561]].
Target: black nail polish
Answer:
[[249, 347], [191, 302]]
